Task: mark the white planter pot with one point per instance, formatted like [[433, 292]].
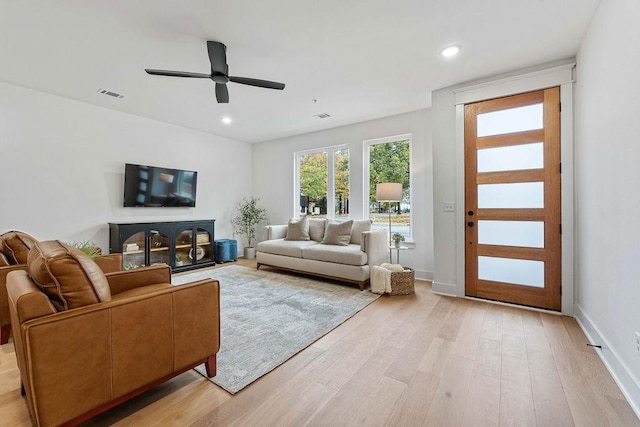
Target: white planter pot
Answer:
[[249, 253]]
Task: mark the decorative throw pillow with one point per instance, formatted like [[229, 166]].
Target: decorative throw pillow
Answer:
[[298, 229], [4, 260], [67, 276], [16, 245], [338, 233], [359, 227], [316, 228]]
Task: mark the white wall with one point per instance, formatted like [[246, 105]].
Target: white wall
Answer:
[[62, 163], [608, 183], [273, 175]]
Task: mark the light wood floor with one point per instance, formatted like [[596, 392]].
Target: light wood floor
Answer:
[[402, 361]]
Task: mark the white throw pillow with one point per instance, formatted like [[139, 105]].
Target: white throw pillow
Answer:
[[359, 227], [298, 229], [316, 228], [338, 233]]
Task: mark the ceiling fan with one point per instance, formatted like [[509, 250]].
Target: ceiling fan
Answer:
[[219, 73]]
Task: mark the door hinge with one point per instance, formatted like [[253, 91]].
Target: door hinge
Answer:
[[560, 167], [560, 290], [560, 106], [560, 228]]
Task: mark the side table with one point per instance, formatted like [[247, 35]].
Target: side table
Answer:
[[397, 249]]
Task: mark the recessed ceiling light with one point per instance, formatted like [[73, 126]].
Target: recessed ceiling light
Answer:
[[450, 51], [226, 120]]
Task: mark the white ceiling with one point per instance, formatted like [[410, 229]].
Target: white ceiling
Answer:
[[360, 59]]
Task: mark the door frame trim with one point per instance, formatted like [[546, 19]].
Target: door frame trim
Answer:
[[562, 76]]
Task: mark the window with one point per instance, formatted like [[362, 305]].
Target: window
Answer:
[[322, 183], [389, 160]]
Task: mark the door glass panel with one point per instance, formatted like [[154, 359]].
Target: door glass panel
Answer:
[[514, 157], [204, 246], [515, 195], [510, 120], [507, 270], [184, 255], [159, 250], [511, 233], [133, 250]]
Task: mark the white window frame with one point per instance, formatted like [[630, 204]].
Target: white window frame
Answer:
[[331, 190], [365, 179]]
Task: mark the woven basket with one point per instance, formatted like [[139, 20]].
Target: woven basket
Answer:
[[402, 282]]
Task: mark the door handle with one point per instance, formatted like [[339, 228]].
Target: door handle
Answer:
[[470, 224]]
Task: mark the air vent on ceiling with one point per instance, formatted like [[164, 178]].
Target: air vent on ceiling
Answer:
[[322, 116], [110, 93]]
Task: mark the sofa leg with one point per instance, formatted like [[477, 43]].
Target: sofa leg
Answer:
[[361, 284], [5, 331], [211, 366], [258, 266]]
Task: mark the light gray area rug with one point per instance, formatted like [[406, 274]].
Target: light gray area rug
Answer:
[[267, 317]]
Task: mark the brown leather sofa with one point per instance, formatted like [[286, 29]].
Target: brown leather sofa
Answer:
[[14, 249], [87, 341]]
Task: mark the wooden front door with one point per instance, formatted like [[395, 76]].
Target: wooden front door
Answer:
[[512, 198]]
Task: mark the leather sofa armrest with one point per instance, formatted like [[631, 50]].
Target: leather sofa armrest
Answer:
[[121, 281], [5, 319], [275, 232], [109, 263], [28, 300], [376, 244]]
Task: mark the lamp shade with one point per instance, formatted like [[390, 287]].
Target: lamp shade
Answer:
[[389, 192]]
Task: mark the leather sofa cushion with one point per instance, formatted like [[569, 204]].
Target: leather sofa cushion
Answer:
[[292, 248], [67, 276], [16, 245], [349, 255], [4, 260]]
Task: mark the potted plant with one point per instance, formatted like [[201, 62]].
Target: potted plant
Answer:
[[180, 257], [397, 238], [246, 221], [90, 248]]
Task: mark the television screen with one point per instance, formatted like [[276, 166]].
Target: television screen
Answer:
[[153, 186]]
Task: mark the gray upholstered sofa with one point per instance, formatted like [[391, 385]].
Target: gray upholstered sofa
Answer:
[[348, 262]]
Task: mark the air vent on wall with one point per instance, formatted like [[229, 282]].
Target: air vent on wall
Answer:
[[110, 93], [322, 116]]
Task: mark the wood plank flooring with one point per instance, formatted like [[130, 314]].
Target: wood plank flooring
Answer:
[[422, 360]]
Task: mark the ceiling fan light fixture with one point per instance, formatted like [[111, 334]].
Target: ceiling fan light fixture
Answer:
[[219, 73], [450, 51]]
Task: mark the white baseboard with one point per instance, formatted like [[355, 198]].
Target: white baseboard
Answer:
[[444, 289], [622, 375], [423, 274]]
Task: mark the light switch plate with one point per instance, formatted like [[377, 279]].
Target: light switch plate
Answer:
[[449, 206]]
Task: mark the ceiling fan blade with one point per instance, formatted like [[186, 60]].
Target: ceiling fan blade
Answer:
[[222, 94], [177, 74], [217, 57], [256, 82]]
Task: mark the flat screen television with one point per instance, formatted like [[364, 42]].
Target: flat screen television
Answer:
[[153, 186]]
